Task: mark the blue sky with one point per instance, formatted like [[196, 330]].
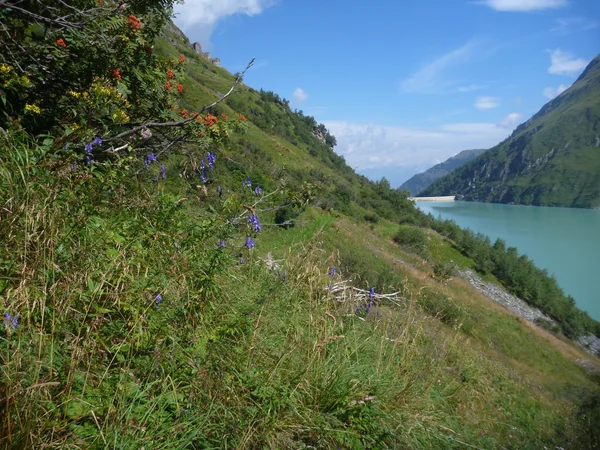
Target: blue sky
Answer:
[[403, 85]]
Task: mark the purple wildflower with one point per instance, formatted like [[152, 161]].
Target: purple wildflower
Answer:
[[88, 159], [330, 286], [332, 273], [67, 146], [250, 243], [11, 320], [155, 178], [221, 244], [371, 293], [97, 141], [203, 175], [163, 171], [253, 220], [211, 159], [89, 147], [258, 191], [284, 276], [158, 299], [242, 260], [247, 183], [149, 159]]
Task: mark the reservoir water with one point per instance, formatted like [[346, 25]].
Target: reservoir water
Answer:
[[566, 241]]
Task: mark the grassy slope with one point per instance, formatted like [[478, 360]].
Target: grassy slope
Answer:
[[235, 355], [553, 159]]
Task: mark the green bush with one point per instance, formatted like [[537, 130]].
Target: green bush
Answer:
[[412, 239]]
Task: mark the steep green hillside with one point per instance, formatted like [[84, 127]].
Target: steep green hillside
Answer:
[[176, 276], [553, 159], [421, 180]]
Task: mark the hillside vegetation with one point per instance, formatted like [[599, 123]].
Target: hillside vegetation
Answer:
[[553, 159], [421, 180], [183, 276]]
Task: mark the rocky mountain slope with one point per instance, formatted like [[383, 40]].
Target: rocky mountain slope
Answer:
[[553, 159]]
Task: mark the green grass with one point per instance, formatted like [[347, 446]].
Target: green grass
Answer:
[[243, 355]]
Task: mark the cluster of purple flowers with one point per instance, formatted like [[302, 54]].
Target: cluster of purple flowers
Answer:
[[11, 320], [332, 273], [89, 148], [221, 243], [258, 190], [250, 243], [149, 159], [365, 308], [211, 160], [247, 183], [253, 220]]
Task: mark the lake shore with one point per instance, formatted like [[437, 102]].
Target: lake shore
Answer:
[[589, 343]]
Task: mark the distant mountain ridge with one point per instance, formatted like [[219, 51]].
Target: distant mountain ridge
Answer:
[[421, 180], [553, 159]]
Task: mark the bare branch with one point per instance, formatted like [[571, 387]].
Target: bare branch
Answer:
[[186, 121]]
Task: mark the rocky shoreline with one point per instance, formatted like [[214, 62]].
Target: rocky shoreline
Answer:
[[590, 343]]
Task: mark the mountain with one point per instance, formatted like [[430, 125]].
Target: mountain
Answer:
[[421, 180], [553, 159]]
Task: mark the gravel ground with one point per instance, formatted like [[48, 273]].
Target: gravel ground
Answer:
[[590, 343]]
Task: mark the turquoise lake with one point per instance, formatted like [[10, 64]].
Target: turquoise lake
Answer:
[[566, 241]]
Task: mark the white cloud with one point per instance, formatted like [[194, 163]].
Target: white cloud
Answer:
[[552, 92], [429, 78], [300, 95], [510, 121], [199, 17], [486, 102], [569, 25], [564, 63], [395, 148], [524, 5]]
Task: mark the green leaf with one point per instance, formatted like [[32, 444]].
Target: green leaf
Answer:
[[91, 286]]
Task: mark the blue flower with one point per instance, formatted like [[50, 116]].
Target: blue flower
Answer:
[[163, 171], [97, 141], [258, 191], [149, 159], [221, 244], [88, 159], [253, 220], [89, 147], [247, 183], [250, 243], [242, 260], [211, 159], [332, 273], [158, 299], [203, 175], [11, 320], [371, 293]]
